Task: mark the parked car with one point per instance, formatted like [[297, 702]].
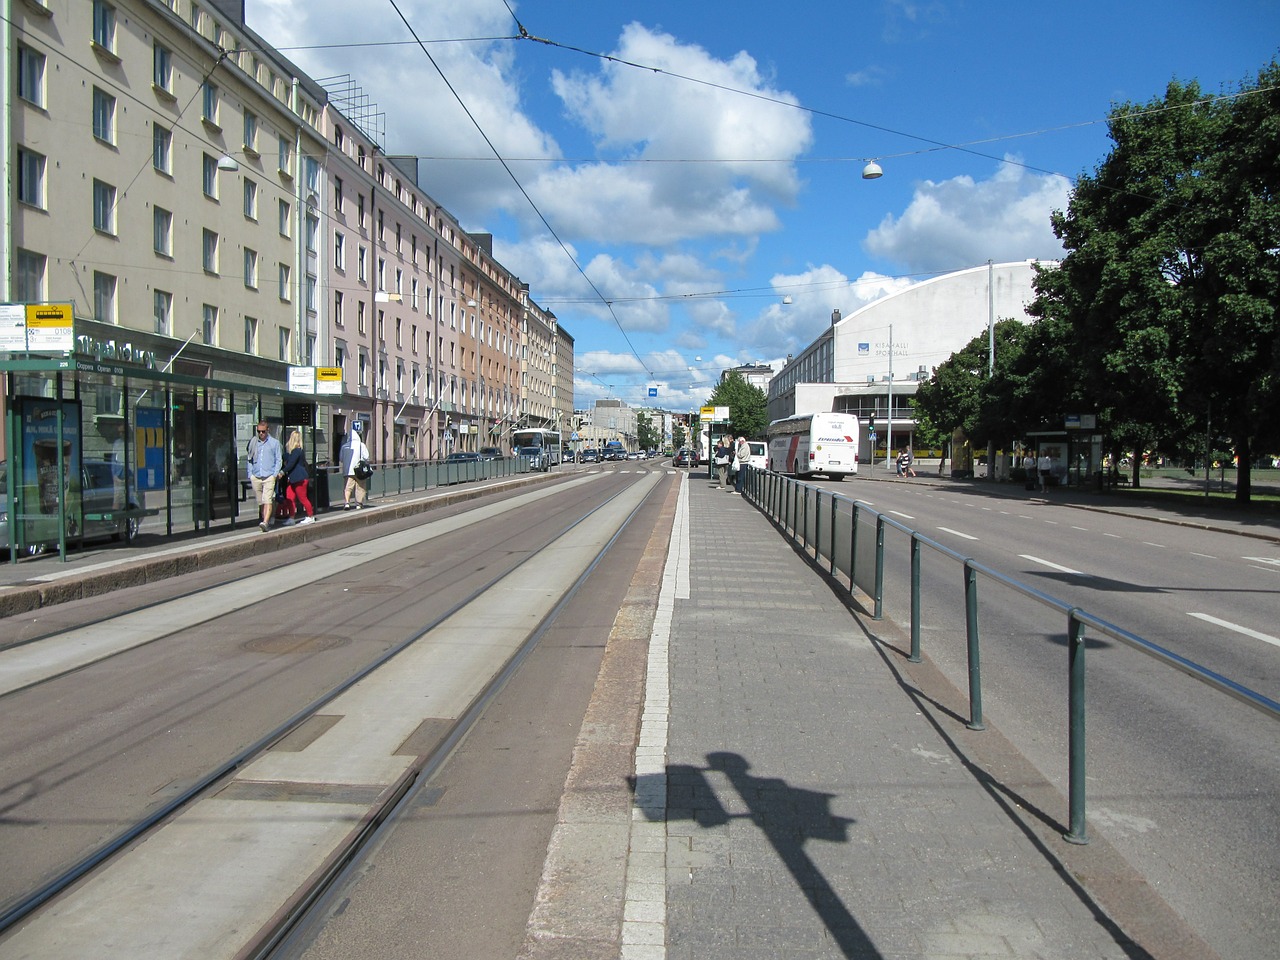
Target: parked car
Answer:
[[490, 453], [538, 460], [683, 458], [97, 496], [462, 456], [590, 455]]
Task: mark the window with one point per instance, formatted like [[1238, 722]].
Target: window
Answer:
[[360, 210], [339, 138], [313, 233], [285, 155], [209, 102], [360, 317], [337, 195], [30, 177], [162, 311], [312, 287], [209, 323], [398, 239], [250, 335], [362, 269], [364, 368], [250, 199], [104, 297], [162, 231], [161, 148], [209, 252], [284, 281], [382, 274], [104, 116], [413, 288], [339, 354], [337, 307], [162, 68], [250, 133], [31, 75], [282, 343], [399, 332], [104, 25], [28, 279], [104, 207], [284, 218], [311, 175], [251, 268], [340, 251], [310, 358], [210, 177]]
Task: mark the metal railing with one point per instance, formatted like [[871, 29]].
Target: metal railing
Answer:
[[827, 526], [393, 479]]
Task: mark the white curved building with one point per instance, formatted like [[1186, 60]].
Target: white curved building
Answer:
[[871, 361]]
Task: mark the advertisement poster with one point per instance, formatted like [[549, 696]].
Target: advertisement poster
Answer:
[[40, 496], [148, 448]]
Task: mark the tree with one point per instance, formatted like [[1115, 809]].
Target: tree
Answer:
[[646, 435], [747, 405], [1162, 316], [962, 394]]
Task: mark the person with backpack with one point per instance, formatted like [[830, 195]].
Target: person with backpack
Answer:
[[355, 466]]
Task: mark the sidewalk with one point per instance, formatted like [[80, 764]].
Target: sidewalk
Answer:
[[825, 802]]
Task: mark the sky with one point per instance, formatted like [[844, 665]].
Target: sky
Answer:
[[680, 183]]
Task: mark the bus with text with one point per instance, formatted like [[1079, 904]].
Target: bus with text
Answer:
[[547, 440], [814, 443]]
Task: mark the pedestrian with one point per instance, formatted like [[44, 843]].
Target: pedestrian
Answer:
[[742, 455], [911, 463], [296, 476], [723, 457], [355, 463], [265, 460], [903, 462], [1029, 468], [1045, 467]]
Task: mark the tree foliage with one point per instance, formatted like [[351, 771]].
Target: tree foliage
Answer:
[[1162, 316], [748, 408]]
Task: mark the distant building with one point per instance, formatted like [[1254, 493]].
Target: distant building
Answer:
[[756, 374], [871, 362]]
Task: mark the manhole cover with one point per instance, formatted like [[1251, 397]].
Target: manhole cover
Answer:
[[296, 643]]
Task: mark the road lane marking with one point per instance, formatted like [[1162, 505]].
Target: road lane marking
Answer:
[[1204, 555], [1052, 566], [1085, 529], [1148, 543], [957, 533], [1273, 560], [1264, 637], [1114, 536], [904, 516]]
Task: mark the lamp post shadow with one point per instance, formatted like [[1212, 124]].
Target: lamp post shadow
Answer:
[[787, 816]]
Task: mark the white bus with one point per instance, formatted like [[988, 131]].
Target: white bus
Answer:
[[547, 440], [825, 443]]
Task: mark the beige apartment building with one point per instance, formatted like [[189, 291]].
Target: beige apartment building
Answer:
[[228, 244]]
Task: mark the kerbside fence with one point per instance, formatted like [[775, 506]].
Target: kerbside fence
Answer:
[[853, 542]]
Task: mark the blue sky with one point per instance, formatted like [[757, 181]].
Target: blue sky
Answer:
[[722, 174]]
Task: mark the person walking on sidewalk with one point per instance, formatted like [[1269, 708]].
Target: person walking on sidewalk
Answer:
[[296, 476], [265, 460], [355, 461], [742, 454]]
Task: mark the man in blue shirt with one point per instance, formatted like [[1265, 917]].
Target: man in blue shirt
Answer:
[[265, 460]]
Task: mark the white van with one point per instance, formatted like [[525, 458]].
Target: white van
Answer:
[[759, 454]]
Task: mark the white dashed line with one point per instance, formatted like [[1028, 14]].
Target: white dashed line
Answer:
[[956, 533], [1052, 566], [1264, 637], [904, 516]]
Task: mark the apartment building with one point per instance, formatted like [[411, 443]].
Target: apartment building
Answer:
[[214, 221]]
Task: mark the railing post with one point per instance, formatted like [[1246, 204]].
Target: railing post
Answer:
[[915, 598], [1076, 741], [971, 632], [834, 509], [853, 550], [879, 598]]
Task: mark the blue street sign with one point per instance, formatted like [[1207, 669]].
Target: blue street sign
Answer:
[[653, 391]]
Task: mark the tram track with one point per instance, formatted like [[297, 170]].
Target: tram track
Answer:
[[416, 775]]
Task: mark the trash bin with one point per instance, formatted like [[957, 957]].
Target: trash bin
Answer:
[[319, 489]]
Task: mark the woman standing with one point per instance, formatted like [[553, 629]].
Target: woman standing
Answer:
[[296, 475]]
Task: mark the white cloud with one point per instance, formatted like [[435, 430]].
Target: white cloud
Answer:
[[961, 222]]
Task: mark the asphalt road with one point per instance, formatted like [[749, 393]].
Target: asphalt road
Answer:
[[1184, 780]]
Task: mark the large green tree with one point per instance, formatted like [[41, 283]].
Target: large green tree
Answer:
[[748, 407], [1162, 316], [962, 392]]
